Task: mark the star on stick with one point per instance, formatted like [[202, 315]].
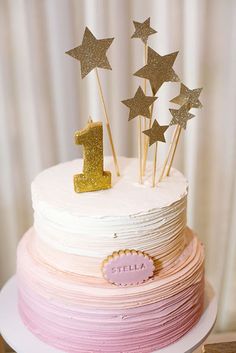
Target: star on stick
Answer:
[[156, 133], [143, 30], [181, 116], [189, 97], [139, 104], [91, 53], [158, 69]]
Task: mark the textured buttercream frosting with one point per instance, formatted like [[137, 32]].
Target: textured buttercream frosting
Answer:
[[82, 314], [63, 297], [93, 225]]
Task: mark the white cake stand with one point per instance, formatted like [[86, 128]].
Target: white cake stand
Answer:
[[23, 341]]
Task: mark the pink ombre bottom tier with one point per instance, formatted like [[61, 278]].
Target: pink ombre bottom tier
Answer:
[[84, 314]]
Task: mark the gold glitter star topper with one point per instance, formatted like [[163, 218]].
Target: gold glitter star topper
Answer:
[[143, 30], [155, 134], [92, 55], [158, 69], [181, 116], [189, 97], [139, 104]]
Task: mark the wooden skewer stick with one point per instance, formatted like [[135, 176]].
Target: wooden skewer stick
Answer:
[[145, 63], [140, 150], [169, 153], [146, 142], [107, 123], [154, 167], [174, 150]]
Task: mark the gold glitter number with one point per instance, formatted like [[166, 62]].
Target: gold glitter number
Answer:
[[93, 177]]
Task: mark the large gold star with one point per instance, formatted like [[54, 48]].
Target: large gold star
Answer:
[[189, 97], [158, 69], [181, 116], [156, 133], [143, 30], [91, 53], [139, 104]]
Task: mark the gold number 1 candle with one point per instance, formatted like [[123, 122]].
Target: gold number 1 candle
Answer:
[[93, 177]]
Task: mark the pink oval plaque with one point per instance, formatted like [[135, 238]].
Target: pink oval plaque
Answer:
[[128, 267]]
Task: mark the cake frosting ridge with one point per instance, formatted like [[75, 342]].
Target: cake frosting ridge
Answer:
[[63, 296]]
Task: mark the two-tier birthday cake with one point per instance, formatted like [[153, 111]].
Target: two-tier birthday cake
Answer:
[[64, 297], [110, 265]]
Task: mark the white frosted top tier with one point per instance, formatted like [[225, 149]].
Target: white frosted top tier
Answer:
[[127, 216], [53, 191]]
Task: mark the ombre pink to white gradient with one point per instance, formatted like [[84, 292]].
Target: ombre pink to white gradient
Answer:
[[82, 314], [64, 298]]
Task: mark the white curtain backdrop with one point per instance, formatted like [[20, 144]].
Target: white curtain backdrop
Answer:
[[43, 101]]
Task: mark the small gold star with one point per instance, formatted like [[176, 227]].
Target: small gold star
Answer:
[[189, 97], [156, 133], [181, 116], [91, 53], [143, 30], [158, 69], [139, 104]]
